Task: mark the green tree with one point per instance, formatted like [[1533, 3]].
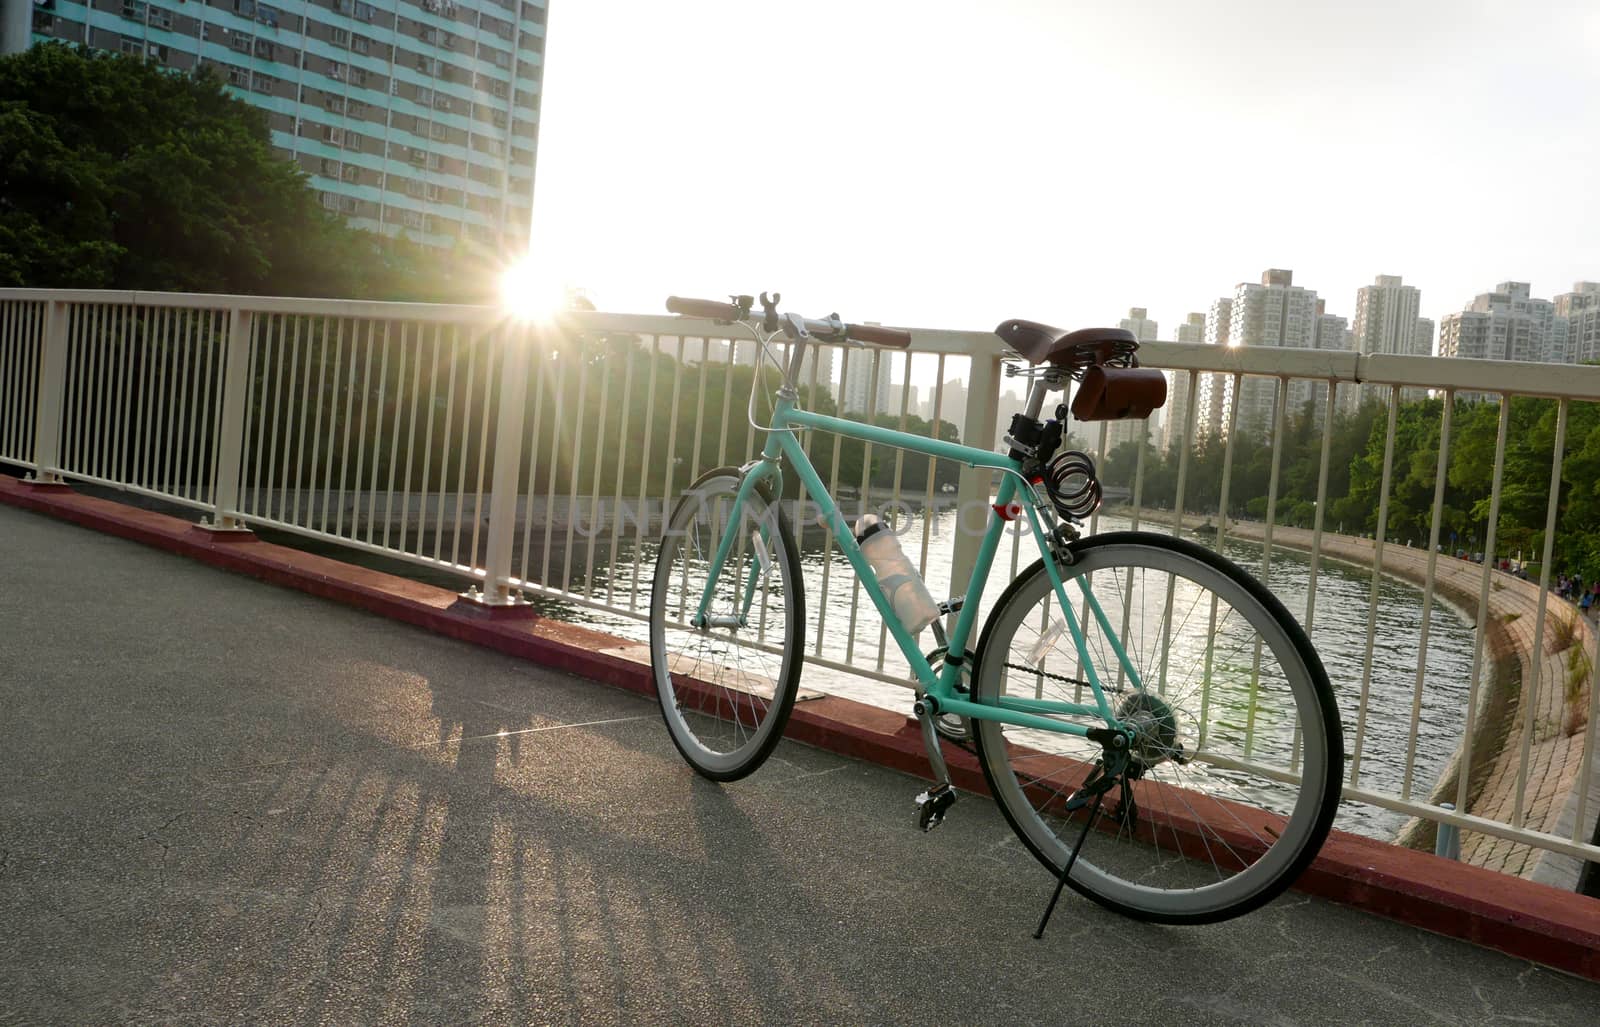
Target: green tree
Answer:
[[116, 173]]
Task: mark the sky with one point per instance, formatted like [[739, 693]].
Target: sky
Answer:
[[951, 165]]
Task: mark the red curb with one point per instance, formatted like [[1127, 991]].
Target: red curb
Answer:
[[1523, 919]]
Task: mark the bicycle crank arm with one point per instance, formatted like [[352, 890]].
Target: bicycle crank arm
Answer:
[[934, 803]]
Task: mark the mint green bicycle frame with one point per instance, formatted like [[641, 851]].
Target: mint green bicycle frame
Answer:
[[1032, 713]]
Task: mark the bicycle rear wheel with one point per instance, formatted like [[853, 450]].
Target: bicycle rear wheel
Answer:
[[726, 688], [1237, 740]]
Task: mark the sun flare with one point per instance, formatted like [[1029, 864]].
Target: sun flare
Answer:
[[530, 291]]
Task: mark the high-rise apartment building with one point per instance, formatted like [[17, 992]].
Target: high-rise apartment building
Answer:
[[414, 116], [1423, 337], [865, 387], [1387, 312], [1580, 310], [952, 403], [1176, 419], [1215, 397], [1274, 313], [1138, 322], [1388, 322], [1584, 296], [1506, 324]]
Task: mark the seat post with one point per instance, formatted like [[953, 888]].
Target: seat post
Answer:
[[1036, 394]]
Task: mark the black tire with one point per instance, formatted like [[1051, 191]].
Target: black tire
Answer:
[[1222, 824], [726, 692]]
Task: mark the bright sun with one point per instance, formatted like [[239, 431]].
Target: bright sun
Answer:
[[529, 290]]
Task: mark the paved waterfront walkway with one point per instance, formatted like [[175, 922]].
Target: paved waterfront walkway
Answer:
[[223, 802]]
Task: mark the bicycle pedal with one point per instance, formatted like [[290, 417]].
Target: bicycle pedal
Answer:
[[932, 805]]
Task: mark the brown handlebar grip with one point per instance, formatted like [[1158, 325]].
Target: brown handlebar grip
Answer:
[[716, 310], [879, 336]]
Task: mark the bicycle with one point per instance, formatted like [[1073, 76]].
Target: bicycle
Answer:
[[1174, 703]]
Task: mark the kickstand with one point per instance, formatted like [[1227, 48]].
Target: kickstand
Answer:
[[1094, 814]]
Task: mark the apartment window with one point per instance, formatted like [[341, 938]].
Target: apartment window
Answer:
[[360, 44], [43, 22], [438, 131], [435, 193], [363, 12], [334, 104], [330, 201], [499, 118], [239, 77], [267, 15], [247, 8], [441, 102], [336, 71], [498, 88], [414, 188], [428, 34], [413, 219], [424, 95], [331, 168], [263, 83], [435, 162], [427, 65], [358, 76], [354, 140], [349, 205], [133, 10], [160, 19], [351, 173], [132, 47], [420, 126], [333, 135], [263, 49], [241, 42], [357, 109], [339, 37]]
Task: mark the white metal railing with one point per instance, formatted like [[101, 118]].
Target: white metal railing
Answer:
[[539, 463]]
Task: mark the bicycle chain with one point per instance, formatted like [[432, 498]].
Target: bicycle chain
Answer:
[[1078, 682]]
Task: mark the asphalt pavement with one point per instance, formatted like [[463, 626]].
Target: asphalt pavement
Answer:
[[222, 802]]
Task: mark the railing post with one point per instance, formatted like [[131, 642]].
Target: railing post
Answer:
[[973, 492], [497, 589], [1447, 842], [230, 440], [52, 395]]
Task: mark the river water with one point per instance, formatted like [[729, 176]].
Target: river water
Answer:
[[843, 626]]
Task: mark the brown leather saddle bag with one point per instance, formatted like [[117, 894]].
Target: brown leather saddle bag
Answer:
[[1118, 393]]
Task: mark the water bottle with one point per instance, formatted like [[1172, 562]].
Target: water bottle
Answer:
[[898, 578]]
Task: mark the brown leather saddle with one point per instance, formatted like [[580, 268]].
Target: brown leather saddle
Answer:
[[1111, 384]]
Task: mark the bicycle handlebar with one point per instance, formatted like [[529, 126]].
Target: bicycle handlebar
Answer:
[[713, 309], [716, 310], [879, 336]]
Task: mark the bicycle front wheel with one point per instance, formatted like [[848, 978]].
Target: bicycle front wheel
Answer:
[[726, 684], [1237, 750]]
